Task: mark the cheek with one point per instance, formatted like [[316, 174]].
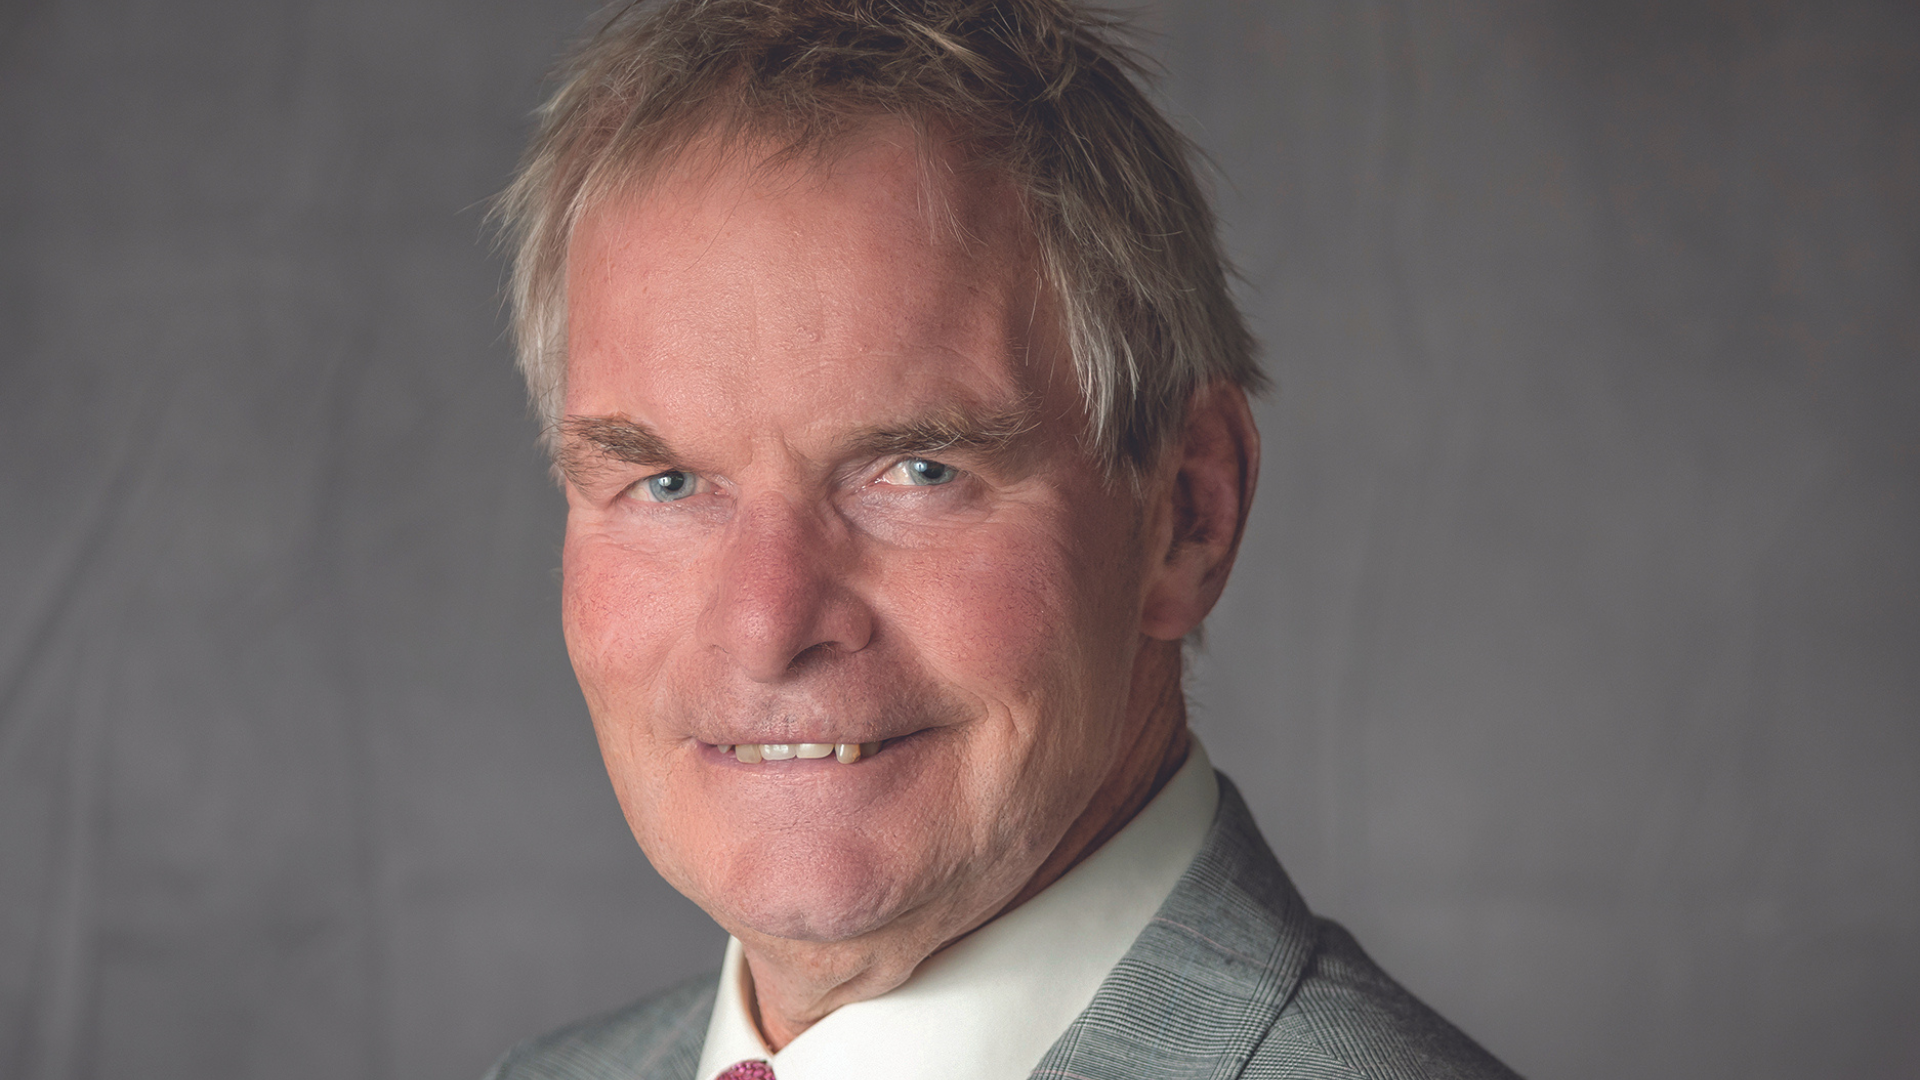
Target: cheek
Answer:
[[1029, 616], [619, 622], [1001, 611], [621, 612]]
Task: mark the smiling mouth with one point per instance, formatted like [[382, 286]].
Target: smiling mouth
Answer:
[[755, 753]]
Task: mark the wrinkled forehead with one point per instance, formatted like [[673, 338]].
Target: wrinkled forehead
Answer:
[[886, 194], [890, 273], [955, 186]]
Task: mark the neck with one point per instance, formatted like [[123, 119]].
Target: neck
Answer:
[[795, 983]]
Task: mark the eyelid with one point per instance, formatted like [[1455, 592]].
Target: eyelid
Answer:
[[903, 459], [640, 490]]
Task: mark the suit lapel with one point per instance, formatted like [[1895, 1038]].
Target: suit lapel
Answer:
[[1207, 977]]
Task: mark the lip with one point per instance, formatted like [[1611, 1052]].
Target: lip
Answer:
[[711, 752], [822, 795]]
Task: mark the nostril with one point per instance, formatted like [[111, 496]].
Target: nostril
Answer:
[[815, 655]]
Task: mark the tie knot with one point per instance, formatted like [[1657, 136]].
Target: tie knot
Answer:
[[747, 1070]]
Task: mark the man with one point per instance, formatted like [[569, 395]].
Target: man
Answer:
[[890, 372]]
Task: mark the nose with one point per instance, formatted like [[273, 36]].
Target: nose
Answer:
[[781, 594]]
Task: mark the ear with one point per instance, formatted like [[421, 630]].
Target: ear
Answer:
[[1199, 504]]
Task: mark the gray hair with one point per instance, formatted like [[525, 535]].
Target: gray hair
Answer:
[[1044, 91]]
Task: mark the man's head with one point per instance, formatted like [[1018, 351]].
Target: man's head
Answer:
[[1040, 92], [840, 465]]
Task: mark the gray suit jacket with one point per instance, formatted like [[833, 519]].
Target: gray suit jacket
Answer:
[[1234, 977]]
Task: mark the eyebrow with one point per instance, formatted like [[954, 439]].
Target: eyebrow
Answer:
[[588, 443], [993, 436]]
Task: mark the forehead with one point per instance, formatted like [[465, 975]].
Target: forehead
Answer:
[[884, 274]]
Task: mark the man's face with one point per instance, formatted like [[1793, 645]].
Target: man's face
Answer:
[[825, 486]]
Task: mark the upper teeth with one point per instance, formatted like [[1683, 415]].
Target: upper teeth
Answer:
[[753, 753]]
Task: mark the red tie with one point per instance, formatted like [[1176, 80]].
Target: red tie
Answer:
[[747, 1070]]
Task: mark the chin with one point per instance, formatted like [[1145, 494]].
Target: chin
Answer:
[[784, 920], [818, 893]]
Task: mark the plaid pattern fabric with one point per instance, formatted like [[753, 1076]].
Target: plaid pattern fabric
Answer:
[[1234, 977]]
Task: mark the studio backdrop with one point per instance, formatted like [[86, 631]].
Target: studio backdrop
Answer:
[[1572, 661]]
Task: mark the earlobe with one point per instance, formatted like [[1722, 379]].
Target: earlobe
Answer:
[[1204, 502]]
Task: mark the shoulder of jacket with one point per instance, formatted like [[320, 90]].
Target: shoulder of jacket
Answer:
[[1350, 1020], [656, 1038]]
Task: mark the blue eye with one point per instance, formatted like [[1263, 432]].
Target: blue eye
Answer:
[[927, 473], [669, 486]]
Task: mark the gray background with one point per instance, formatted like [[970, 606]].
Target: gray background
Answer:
[[1573, 661]]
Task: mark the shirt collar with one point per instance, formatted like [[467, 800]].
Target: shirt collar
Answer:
[[989, 1006]]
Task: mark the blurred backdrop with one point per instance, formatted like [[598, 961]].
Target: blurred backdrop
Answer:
[[1573, 660]]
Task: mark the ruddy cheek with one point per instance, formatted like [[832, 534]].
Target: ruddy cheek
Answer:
[[1004, 612], [618, 608]]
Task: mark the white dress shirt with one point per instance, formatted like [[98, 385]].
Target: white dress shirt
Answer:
[[989, 1006]]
